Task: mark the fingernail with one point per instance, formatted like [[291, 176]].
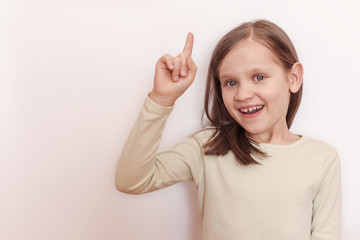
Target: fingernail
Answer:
[[183, 72], [176, 78]]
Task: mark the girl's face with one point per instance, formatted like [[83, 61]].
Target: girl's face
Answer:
[[256, 91]]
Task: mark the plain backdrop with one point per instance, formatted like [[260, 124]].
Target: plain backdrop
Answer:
[[74, 75]]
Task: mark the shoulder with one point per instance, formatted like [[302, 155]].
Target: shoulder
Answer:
[[319, 148], [196, 141], [318, 144], [203, 135]]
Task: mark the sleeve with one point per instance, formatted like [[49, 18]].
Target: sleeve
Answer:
[[141, 169], [326, 219]]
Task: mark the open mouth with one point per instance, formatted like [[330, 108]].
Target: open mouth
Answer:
[[251, 110]]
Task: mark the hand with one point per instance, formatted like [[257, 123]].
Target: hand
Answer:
[[174, 75]]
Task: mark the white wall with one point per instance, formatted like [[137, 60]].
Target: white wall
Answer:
[[74, 74]]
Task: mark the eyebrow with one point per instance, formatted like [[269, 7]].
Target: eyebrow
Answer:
[[251, 71], [227, 76]]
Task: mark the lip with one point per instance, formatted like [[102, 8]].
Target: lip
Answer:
[[251, 115], [250, 106]]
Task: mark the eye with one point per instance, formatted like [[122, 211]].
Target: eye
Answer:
[[231, 83], [259, 77]]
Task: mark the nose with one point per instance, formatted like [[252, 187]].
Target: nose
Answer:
[[244, 92]]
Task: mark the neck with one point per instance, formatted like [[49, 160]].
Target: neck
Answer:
[[283, 138]]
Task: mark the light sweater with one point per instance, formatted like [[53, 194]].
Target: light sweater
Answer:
[[295, 194]]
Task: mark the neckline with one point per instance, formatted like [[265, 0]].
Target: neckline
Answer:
[[283, 146]]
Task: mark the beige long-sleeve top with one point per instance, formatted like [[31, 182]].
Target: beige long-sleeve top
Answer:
[[294, 195]]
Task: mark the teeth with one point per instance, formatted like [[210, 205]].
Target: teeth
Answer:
[[251, 109]]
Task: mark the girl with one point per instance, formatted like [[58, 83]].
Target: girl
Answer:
[[256, 180]]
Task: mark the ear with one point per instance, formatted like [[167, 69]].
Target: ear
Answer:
[[296, 77]]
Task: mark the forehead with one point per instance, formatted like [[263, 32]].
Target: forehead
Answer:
[[248, 54]]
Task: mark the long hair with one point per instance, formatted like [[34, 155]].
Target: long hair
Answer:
[[229, 135]]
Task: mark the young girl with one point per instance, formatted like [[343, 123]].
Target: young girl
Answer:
[[256, 180]]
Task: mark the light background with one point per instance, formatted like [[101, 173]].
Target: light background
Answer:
[[74, 74]]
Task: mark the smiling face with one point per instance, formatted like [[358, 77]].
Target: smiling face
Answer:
[[256, 91]]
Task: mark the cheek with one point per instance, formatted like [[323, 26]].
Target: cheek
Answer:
[[279, 100], [278, 91], [227, 98]]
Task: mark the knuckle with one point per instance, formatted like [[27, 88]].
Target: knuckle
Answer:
[[182, 55], [162, 59], [177, 60], [166, 58]]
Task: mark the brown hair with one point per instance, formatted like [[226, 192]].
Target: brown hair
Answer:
[[229, 135]]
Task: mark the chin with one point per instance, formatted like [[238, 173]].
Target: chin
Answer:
[[254, 131]]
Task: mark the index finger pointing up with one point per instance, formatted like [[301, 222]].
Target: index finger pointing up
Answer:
[[189, 44]]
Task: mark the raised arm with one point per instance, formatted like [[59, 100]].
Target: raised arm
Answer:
[[140, 169]]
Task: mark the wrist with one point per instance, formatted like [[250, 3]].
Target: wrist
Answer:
[[163, 101]]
